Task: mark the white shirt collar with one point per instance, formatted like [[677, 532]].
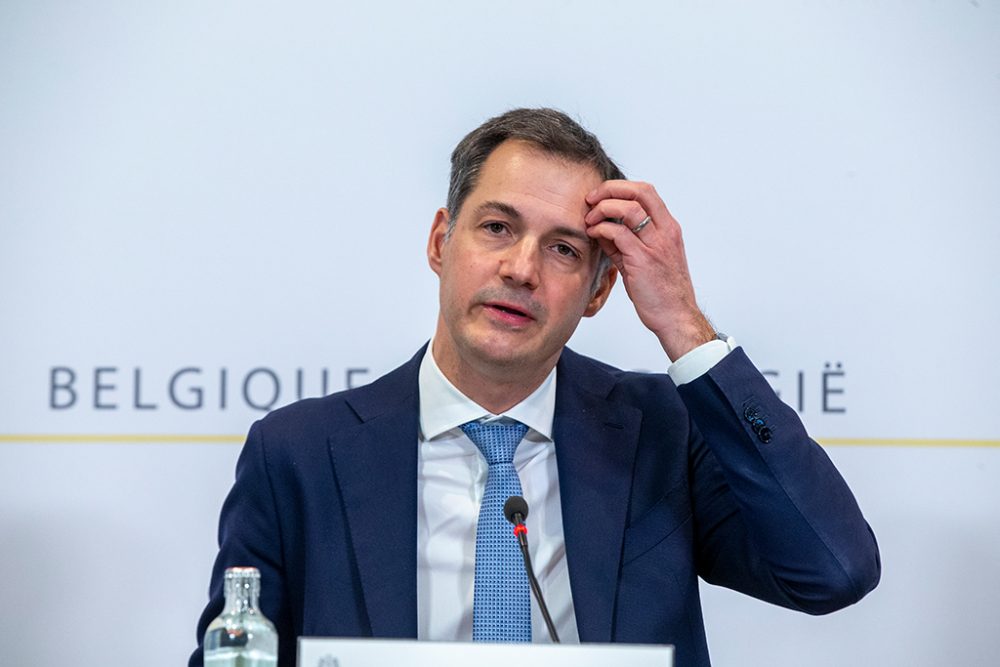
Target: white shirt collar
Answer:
[[443, 407]]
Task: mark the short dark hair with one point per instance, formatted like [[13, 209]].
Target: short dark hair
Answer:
[[551, 130]]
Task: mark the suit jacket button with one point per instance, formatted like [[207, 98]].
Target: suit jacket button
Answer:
[[750, 414], [765, 435]]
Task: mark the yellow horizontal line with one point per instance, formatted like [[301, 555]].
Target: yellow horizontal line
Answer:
[[119, 437], [907, 442], [228, 439]]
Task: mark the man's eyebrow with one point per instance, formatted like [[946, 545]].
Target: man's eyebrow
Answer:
[[498, 207], [575, 234]]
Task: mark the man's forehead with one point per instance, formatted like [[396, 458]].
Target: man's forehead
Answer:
[[521, 168]]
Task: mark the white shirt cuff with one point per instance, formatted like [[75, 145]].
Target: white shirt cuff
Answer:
[[700, 360]]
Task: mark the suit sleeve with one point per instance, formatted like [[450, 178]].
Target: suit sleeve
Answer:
[[250, 535], [774, 518]]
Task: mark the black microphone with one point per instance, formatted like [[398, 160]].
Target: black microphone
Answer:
[[516, 511]]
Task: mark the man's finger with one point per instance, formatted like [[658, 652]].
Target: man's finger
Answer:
[[629, 213], [624, 240], [644, 193]]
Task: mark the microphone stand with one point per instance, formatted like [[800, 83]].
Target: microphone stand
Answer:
[[516, 509]]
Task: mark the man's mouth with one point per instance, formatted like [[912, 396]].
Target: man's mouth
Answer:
[[508, 309]]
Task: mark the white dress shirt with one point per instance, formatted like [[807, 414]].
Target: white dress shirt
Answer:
[[451, 477]]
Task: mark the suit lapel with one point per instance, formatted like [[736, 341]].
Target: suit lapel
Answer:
[[375, 464], [595, 441]]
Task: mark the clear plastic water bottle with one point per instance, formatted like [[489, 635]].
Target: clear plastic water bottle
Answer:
[[241, 636]]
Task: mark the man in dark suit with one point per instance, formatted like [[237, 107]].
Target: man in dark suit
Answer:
[[365, 510]]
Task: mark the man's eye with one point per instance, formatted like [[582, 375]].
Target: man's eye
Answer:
[[566, 250], [495, 227]]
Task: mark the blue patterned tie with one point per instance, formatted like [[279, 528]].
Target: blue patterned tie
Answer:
[[501, 608]]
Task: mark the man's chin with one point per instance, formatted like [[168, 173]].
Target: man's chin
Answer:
[[497, 356], [493, 353], [513, 358]]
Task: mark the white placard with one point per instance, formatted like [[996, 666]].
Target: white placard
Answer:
[[320, 652]]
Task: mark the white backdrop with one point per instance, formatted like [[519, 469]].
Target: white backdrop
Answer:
[[201, 203]]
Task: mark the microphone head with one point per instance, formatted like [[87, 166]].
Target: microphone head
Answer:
[[515, 505]]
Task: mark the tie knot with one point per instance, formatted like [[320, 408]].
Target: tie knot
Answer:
[[496, 440]]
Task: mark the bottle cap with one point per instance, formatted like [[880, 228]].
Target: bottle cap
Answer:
[[242, 573]]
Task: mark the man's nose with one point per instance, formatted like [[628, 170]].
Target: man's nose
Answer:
[[520, 264]]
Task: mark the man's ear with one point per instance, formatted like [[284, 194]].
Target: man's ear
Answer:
[[439, 230], [603, 292]]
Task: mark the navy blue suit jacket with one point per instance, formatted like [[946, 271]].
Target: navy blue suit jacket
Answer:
[[658, 485]]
